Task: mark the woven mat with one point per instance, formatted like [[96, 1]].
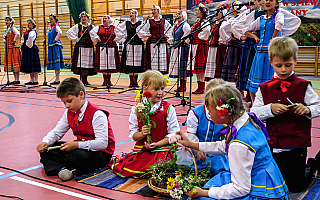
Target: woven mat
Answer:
[[105, 177]]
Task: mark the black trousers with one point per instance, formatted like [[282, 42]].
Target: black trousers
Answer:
[[82, 160], [292, 165]]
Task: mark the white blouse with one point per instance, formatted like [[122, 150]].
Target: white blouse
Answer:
[[236, 25], [279, 23], [172, 121], [72, 33], [225, 31], [32, 36], [121, 31], [15, 32], [145, 30]]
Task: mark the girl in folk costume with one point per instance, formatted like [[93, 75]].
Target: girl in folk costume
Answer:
[[55, 56], [133, 53], [254, 174], [12, 50], [164, 116], [200, 48], [30, 62], [248, 47], [217, 50], [276, 22], [83, 50], [156, 58], [106, 62], [178, 59], [232, 58]]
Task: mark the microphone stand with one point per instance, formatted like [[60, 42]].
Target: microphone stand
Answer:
[[107, 52], [7, 73], [133, 88], [44, 84]]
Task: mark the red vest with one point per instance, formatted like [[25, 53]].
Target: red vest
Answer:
[[287, 130], [160, 131], [104, 34], [197, 40], [156, 31], [84, 130], [214, 40]]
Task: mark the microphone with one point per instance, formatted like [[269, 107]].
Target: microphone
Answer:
[[25, 27], [147, 19], [48, 22], [249, 3], [121, 20], [93, 20], [176, 18]]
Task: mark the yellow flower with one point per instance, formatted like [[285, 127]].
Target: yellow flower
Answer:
[[138, 94], [193, 191], [168, 81], [178, 174], [170, 183], [165, 76]]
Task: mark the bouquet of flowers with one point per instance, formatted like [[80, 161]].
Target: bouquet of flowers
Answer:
[[143, 108], [177, 179]]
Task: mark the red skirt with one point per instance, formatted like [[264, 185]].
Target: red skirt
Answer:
[[200, 59], [136, 164]]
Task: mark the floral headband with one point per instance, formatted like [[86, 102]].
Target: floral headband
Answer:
[[54, 16], [157, 7], [203, 8], [11, 19], [84, 13], [223, 109], [135, 12], [32, 21]]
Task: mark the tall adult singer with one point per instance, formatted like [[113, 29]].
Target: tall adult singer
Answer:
[[107, 60], [200, 48], [178, 59], [12, 52], [85, 56], [133, 53], [156, 58]]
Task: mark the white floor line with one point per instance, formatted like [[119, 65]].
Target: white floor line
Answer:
[[1, 173], [81, 196]]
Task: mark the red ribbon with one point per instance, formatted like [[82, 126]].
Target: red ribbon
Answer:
[[283, 85], [76, 117]]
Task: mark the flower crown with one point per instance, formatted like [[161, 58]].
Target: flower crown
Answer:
[[203, 7], [54, 16], [223, 109], [11, 19], [32, 21], [84, 13], [135, 11]]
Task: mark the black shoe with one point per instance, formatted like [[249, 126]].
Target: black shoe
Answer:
[[15, 82], [55, 83], [311, 168], [35, 83], [29, 83]]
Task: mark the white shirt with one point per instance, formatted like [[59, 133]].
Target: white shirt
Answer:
[[15, 32], [100, 129], [291, 22], [172, 121], [241, 160], [121, 31], [236, 25], [72, 33], [225, 31], [31, 37], [58, 30], [145, 30], [279, 23], [193, 122]]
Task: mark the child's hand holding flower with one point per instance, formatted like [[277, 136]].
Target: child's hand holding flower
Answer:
[[151, 146], [278, 108], [41, 147], [145, 130], [69, 146], [197, 192]]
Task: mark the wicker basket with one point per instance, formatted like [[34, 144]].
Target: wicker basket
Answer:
[[165, 191]]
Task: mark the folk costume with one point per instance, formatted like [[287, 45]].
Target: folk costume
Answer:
[[108, 59], [136, 163], [55, 56]]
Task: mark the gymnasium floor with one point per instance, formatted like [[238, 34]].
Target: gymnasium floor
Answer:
[[27, 115]]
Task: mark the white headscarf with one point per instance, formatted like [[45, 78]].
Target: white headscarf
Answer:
[[135, 11], [184, 15], [107, 16], [158, 8]]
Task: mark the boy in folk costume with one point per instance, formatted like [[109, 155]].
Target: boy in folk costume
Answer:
[[94, 143], [289, 128]]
